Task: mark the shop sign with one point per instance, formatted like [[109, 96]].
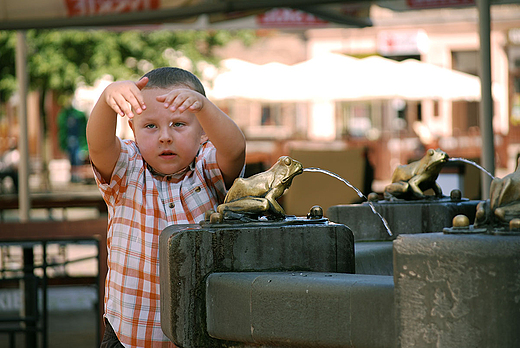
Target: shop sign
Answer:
[[396, 43], [287, 17], [95, 7]]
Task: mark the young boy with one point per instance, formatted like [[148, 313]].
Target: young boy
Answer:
[[185, 154]]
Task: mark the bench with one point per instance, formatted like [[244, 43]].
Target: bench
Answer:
[[56, 201], [43, 232]]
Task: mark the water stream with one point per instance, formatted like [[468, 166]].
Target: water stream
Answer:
[[359, 193], [458, 159]]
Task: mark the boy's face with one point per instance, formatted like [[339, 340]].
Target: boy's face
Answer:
[[168, 141]]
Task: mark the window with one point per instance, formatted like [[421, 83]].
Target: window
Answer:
[[465, 115], [359, 119], [274, 121], [436, 109], [271, 115]]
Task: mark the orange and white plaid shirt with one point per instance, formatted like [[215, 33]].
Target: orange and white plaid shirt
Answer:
[[140, 205]]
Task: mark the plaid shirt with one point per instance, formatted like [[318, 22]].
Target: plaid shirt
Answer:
[[140, 205]]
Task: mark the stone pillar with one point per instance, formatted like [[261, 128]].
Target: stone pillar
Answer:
[[454, 290]]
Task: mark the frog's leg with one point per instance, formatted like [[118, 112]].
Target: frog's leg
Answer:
[[495, 191], [437, 189], [275, 208], [396, 190], [483, 214], [414, 186], [253, 205], [508, 212]]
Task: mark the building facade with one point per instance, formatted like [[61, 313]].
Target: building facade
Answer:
[[397, 130]]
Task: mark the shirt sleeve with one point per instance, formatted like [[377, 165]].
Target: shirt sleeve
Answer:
[[118, 180]]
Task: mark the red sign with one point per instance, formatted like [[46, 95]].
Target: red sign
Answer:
[[287, 17], [402, 42], [419, 4], [97, 7]]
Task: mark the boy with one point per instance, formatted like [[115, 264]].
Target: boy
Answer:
[[170, 174]]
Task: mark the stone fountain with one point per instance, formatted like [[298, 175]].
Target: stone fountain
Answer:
[[251, 276], [406, 206], [249, 233]]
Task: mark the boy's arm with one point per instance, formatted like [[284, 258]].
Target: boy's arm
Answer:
[[227, 138], [104, 146]]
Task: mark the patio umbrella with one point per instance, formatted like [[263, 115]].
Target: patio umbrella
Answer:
[[419, 80], [326, 77], [243, 80], [339, 77]]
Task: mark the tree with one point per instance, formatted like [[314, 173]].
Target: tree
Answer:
[[59, 60], [7, 68]]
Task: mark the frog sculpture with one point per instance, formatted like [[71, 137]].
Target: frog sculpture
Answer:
[[412, 180], [504, 202], [256, 196]]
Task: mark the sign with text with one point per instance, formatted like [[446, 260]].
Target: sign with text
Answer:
[[287, 17], [407, 42], [96, 7]]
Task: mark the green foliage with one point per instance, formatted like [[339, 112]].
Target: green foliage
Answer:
[[7, 67], [60, 59]]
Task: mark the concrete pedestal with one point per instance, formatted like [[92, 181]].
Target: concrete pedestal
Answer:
[[403, 217], [457, 290], [302, 309], [189, 253]]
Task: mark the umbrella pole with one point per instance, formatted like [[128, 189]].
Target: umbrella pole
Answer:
[[23, 167], [486, 99], [29, 308]]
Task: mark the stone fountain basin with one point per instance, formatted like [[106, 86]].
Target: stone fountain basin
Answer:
[[403, 217]]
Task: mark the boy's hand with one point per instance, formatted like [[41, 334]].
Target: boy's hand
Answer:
[[182, 100], [122, 96]]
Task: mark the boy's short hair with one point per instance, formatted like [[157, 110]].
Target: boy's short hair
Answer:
[[167, 77]]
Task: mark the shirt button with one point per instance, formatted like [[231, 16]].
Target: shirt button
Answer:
[[198, 189], [172, 205]]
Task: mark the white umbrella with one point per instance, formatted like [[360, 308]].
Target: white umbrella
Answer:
[[339, 77], [379, 77], [327, 77], [243, 80], [419, 80]]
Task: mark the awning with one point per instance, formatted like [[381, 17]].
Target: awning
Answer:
[[27, 14]]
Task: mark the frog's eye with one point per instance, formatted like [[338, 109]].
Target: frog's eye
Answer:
[[431, 152], [287, 161]]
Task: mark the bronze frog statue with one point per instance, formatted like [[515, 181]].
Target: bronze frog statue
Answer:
[[257, 195], [504, 202], [412, 180]]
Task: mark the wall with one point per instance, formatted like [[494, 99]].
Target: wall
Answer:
[[309, 189]]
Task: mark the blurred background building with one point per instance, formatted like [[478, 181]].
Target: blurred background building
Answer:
[[390, 90]]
